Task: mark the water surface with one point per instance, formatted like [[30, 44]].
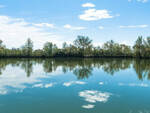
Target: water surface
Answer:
[[74, 86]]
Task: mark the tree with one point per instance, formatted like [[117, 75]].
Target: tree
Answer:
[[146, 44], [2, 49], [28, 47], [65, 45], [48, 48], [83, 43], [1, 45], [125, 50], [109, 47], [138, 47]]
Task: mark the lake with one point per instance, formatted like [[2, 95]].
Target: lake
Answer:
[[74, 85]]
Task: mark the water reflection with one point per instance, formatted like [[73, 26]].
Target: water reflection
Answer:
[[81, 68], [85, 85]]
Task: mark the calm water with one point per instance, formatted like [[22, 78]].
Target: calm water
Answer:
[[74, 86]]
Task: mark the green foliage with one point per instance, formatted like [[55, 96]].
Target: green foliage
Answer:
[[49, 49], [81, 47], [28, 48], [84, 44]]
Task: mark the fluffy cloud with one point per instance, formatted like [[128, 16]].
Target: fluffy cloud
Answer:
[[94, 14], [88, 5], [134, 26], [67, 84], [67, 26], [15, 31], [44, 25], [143, 1]]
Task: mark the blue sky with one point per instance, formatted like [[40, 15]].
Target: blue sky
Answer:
[[62, 20]]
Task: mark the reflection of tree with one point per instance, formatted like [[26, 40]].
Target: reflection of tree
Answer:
[[112, 66], [48, 66], [5, 62], [64, 69], [142, 68], [81, 67], [83, 72], [27, 65]]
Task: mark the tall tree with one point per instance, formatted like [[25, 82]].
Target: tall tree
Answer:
[[109, 47], [138, 47], [83, 43], [28, 47], [48, 49]]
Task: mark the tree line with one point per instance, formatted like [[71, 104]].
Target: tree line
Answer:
[[81, 47]]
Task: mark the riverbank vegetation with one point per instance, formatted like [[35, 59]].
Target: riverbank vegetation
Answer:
[[81, 47]]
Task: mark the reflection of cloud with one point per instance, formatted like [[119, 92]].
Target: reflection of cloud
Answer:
[[134, 85], [140, 85], [43, 85], [89, 106], [143, 111], [121, 84], [3, 91], [37, 85], [101, 83], [67, 84], [14, 79], [49, 85], [94, 96]]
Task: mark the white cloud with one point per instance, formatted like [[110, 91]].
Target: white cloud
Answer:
[[88, 5], [2, 6], [67, 84], [142, 1], [101, 27], [93, 14], [94, 96], [44, 25], [15, 31], [89, 106], [67, 26], [134, 26]]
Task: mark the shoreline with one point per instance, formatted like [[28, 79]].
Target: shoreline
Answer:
[[75, 57]]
